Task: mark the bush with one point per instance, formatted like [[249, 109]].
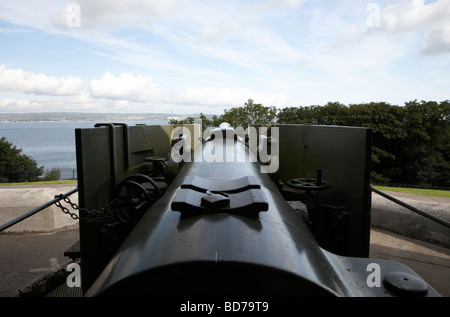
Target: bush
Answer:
[[53, 175], [15, 166]]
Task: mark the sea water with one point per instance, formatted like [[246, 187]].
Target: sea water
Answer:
[[50, 144]]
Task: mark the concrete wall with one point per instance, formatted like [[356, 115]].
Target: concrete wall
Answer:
[[16, 201], [390, 216]]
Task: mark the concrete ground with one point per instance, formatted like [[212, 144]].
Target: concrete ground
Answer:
[[26, 258], [423, 198], [430, 261], [390, 216]]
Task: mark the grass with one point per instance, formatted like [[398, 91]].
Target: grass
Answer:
[[69, 181], [418, 191]]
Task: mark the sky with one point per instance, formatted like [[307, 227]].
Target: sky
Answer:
[[192, 56]]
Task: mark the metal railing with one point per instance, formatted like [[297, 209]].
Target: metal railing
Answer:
[[379, 192], [412, 208], [36, 210]]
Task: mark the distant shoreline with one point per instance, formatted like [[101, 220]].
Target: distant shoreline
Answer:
[[54, 121], [24, 186], [11, 117]]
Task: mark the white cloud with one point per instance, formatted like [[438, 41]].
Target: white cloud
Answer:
[[215, 54], [224, 97], [123, 93], [80, 102], [214, 33], [12, 30], [124, 87], [280, 4], [18, 80], [436, 41], [24, 13], [112, 13], [14, 105], [406, 21], [417, 15]]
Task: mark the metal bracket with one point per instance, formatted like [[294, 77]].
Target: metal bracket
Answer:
[[198, 195]]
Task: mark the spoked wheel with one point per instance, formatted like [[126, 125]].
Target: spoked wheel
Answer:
[[307, 184], [133, 196]]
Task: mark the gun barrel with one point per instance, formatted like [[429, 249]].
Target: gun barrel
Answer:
[[223, 228]]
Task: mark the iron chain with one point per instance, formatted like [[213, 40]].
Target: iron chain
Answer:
[[66, 210], [89, 215]]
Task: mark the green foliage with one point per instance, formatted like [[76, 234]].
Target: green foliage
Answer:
[[426, 153], [251, 113], [214, 121], [52, 175], [417, 191], [16, 167], [410, 144]]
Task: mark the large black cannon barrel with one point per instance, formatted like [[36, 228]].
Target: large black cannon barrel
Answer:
[[223, 229]]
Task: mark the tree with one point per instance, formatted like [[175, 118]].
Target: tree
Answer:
[[298, 115], [251, 113], [385, 120], [426, 151], [17, 167], [53, 175], [191, 120], [333, 113], [388, 134], [410, 144]]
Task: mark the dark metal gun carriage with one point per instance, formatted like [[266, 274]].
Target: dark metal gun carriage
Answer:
[[151, 225]]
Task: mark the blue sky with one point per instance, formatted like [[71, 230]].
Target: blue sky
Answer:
[[206, 56]]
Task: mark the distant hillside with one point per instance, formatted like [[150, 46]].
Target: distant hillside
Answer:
[[80, 116]]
